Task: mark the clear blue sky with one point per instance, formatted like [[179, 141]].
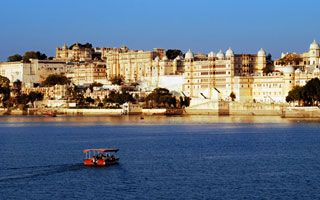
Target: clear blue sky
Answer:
[[202, 25]]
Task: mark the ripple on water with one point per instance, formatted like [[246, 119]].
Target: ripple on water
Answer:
[[161, 158]]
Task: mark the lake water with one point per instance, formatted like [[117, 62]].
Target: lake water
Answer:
[[198, 157]]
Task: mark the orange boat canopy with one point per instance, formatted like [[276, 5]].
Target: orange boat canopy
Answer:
[[101, 150]]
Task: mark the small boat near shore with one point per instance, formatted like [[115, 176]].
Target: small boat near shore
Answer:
[[100, 157], [50, 115]]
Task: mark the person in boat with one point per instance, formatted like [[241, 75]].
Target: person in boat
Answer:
[[94, 159], [112, 157]]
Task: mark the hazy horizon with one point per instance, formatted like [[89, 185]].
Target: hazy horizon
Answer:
[[245, 26]]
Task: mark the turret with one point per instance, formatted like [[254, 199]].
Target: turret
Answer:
[[314, 53], [261, 61], [189, 56]]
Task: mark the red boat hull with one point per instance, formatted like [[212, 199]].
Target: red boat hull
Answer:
[[50, 115], [90, 162]]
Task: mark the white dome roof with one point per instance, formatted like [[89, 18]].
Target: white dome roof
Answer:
[[229, 52], [288, 69], [261, 52], [314, 45], [165, 57], [189, 55], [212, 54], [220, 54], [177, 58], [316, 70], [298, 71], [157, 58]]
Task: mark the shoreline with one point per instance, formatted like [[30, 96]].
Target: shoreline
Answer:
[[287, 112]]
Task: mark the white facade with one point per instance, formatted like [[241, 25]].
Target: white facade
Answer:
[[18, 71]]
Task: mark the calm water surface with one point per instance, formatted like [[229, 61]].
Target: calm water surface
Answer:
[[197, 157]]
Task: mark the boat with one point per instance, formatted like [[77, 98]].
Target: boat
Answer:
[[100, 157], [50, 115]]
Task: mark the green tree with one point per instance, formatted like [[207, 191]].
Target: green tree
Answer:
[[308, 94], [296, 94], [232, 96], [161, 97], [33, 55], [187, 101], [80, 100], [118, 80], [82, 46], [54, 79], [21, 99], [95, 84], [100, 105], [4, 82], [14, 58], [120, 98], [72, 92], [33, 96], [184, 101], [8, 101], [173, 53], [17, 85], [312, 90], [4, 89], [269, 64], [89, 100]]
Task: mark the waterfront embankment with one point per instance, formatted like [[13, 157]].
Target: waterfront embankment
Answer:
[[301, 112], [235, 108], [209, 108], [80, 111]]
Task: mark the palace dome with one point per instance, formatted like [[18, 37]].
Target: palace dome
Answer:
[[229, 52], [189, 55], [157, 59], [211, 54], [177, 58], [314, 45], [261, 52], [298, 71], [165, 58], [220, 54], [288, 69]]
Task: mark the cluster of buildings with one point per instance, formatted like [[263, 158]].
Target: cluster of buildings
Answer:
[[212, 77]]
